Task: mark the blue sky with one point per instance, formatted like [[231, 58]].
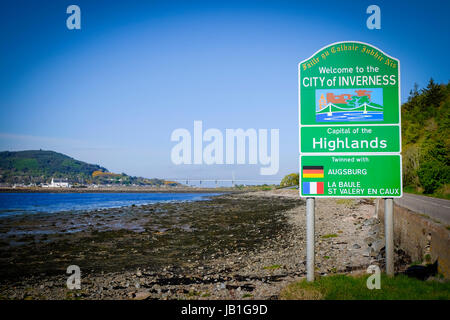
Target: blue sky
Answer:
[[113, 92]]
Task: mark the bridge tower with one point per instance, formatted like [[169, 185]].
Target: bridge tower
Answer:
[[365, 107]]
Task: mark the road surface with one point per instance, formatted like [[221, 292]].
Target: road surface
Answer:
[[437, 209]]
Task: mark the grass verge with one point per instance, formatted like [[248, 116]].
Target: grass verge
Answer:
[[344, 287], [441, 193]]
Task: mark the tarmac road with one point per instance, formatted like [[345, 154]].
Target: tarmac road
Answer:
[[437, 209]]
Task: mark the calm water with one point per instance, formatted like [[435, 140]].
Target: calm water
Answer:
[[349, 117], [30, 203]]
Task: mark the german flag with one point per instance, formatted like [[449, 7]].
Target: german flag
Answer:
[[312, 172]]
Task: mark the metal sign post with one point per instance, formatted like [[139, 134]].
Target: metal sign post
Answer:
[[389, 234], [310, 202]]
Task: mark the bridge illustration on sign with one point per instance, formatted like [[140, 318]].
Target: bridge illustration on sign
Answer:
[[349, 105]]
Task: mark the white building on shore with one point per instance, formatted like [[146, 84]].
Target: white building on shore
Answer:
[[59, 183]]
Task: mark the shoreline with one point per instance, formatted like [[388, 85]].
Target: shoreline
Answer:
[[235, 246], [19, 213], [119, 190]]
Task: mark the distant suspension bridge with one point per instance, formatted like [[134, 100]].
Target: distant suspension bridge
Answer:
[[216, 182]]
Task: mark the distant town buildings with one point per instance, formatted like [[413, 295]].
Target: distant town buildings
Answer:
[[59, 183]]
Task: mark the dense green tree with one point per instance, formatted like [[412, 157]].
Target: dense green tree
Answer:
[[290, 180], [426, 139]]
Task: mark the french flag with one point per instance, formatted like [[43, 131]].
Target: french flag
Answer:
[[312, 188]]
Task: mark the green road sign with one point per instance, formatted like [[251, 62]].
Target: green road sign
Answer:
[[351, 176], [349, 104]]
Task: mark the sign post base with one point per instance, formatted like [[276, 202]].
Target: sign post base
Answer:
[[389, 235], [310, 203]]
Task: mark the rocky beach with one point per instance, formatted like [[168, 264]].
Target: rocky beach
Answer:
[[246, 245]]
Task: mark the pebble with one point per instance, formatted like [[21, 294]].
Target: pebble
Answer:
[[142, 295]]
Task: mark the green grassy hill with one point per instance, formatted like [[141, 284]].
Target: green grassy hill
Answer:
[[39, 166], [426, 140]]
